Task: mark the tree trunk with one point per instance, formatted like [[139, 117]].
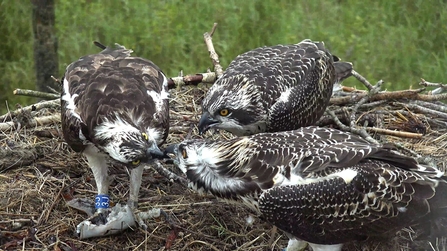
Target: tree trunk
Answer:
[[45, 44]]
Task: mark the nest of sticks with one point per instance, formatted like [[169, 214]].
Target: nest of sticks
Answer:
[[39, 173]]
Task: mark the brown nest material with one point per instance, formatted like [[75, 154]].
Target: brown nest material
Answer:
[[38, 173]]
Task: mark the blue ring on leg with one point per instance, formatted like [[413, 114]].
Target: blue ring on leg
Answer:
[[102, 201]]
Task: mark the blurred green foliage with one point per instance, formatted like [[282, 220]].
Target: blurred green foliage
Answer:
[[398, 41]]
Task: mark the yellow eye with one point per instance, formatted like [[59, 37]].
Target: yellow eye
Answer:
[[136, 162], [184, 155], [224, 112], [145, 137]]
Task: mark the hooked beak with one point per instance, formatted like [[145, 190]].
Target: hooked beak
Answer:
[[206, 122], [155, 153], [170, 151]]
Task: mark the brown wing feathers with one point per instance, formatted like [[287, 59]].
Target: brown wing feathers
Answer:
[[379, 200], [108, 84]]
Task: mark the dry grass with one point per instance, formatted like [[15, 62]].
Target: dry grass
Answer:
[[34, 215]]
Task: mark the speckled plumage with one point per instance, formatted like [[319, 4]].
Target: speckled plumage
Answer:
[[115, 109], [276, 88], [320, 185], [109, 85]]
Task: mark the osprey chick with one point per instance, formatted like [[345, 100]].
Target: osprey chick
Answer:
[[321, 186], [115, 109], [270, 89]]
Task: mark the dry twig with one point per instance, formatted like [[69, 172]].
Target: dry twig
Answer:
[[437, 107], [362, 132], [373, 91], [196, 79], [34, 107], [440, 86], [362, 80], [394, 95], [37, 94], [208, 36], [38, 121], [395, 133], [423, 110]]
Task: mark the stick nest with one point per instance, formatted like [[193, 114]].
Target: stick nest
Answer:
[[39, 173]]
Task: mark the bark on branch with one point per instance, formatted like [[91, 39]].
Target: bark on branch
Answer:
[[405, 94], [37, 94], [33, 122], [209, 77], [27, 109], [208, 36]]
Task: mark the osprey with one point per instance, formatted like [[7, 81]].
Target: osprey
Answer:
[[114, 110], [320, 186], [271, 89]]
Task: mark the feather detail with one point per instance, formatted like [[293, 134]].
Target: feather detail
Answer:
[[320, 185], [275, 88]]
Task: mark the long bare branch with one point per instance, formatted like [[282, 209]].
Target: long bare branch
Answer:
[[37, 94], [37, 121], [208, 37], [394, 95], [34, 107], [395, 133], [196, 79]]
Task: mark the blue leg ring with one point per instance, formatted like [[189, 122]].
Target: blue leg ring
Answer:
[[102, 201]]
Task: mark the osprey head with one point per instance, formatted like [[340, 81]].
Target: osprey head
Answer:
[[191, 156], [124, 143], [217, 167], [204, 163], [233, 104], [198, 154]]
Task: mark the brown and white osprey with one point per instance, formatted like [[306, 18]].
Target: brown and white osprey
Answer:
[[321, 186], [114, 109], [271, 89]]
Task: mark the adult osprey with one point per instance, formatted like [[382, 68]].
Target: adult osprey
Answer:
[[319, 185], [114, 109], [271, 89]]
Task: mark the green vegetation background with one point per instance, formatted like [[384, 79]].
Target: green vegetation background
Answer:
[[398, 41]]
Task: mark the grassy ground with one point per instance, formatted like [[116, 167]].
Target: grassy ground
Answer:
[[398, 41]]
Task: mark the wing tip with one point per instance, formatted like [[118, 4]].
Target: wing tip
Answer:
[[100, 45], [118, 51]]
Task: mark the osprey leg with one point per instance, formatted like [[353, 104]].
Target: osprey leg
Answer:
[[320, 247], [98, 164], [136, 176], [295, 244], [114, 111], [107, 221]]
